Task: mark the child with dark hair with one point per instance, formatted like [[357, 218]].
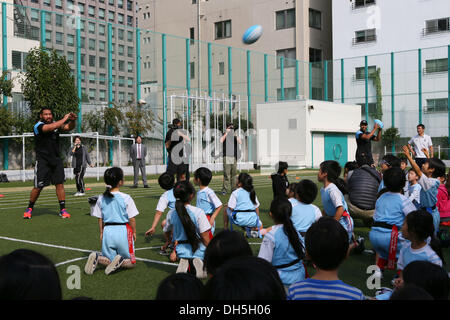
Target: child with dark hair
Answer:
[[224, 246], [429, 276], [245, 278], [422, 245], [291, 193], [180, 286], [116, 212], [327, 247], [167, 200], [431, 170], [413, 188], [304, 214], [28, 275], [410, 292], [391, 209], [243, 207], [190, 229], [206, 197], [279, 180], [283, 245], [387, 162], [334, 204], [443, 200], [349, 166]]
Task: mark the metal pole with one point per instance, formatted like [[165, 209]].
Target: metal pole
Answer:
[[23, 158], [281, 78], [392, 96], [420, 84], [325, 80], [164, 80], [230, 78], [5, 68], [342, 81], [43, 35], [266, 84], [138, 64], [366, 87], [98, 161], [78, 27]]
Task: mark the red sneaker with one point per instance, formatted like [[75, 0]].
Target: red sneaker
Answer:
[[27, 213], [63, 214]]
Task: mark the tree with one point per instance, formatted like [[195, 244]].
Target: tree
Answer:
[[138, 119], [391, 136], [7, 122], [48, 82], [376, 78]]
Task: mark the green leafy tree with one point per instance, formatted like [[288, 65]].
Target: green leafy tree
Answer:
[[106, 121], [48, 82], [7, 118], [391, 136], [138, 119]]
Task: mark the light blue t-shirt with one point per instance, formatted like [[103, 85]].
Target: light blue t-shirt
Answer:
[[392, 208], [408, 255], [304, 215], [198, 217], [277, 249], [332, 198], [313, 289], [240, 200], [207, 200]]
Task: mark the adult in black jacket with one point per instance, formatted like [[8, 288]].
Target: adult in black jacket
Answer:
[[279, 180], [362, 184]]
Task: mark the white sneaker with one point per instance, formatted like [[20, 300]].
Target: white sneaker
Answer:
[[76, 194], [115, 264], [91, 263], [199, 268], [183, 266], [80, 194]]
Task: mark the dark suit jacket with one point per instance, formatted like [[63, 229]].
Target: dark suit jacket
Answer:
[[133, 151]]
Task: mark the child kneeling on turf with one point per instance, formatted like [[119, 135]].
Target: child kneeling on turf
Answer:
[[327, 246], [243, 207], [206, 197], [115, 211], [304, 214], [391, 209], [283, 245], [190, 229]]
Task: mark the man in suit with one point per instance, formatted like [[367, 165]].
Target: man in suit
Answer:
[[137, 153]]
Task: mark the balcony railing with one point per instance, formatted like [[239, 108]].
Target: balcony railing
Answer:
[[434, 30], [358, 5]]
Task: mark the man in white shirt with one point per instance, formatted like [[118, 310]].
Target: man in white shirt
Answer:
[[419, 142]]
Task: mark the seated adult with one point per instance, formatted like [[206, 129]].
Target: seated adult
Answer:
[[362, 184]]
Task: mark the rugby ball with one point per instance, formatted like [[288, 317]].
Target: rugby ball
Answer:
[[252, 34], [379, 123]]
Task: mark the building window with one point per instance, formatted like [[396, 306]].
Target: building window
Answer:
[[121, 65], [92, 60], [316, 93], [285, 19], [111, 16], [192, 70], [91, 44], [82, 59], [315, 19], [130, 52], [34, 15], [102, 62], [92, 93], [101, 13], [130, 82], [71, 57], [436, 66], [129, 21], [70, 40], [129, 5], [364, 36], [362, 3], [315, 55], [18, 60], [360, 72], [437, 25], [101, 29], [221, 68], [59, 38], [292, 124], [58, 4], [289, 58], [120, 4], [101, 45], [289, 93], [437, 105], [223, 29], [91, 27], [102, 78], [130, 66], [91, 77], [91, 11], [372, 107], [102, 95], [58, 20], [81, 8], [192, 35]]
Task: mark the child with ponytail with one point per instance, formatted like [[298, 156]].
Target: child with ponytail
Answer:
[[283, 245], [243, 207], [116, 213], [334, 204], [190, 229]]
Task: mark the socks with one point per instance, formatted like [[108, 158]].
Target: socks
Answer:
[[31, 204], [62, 204]]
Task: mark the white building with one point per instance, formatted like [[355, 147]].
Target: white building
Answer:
[[305, 132], [376, 28]]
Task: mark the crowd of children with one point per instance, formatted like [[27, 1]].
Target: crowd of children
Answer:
[[406, 222]]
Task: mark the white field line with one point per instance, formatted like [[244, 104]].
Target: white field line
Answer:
[[80, 250], [4, 205]]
